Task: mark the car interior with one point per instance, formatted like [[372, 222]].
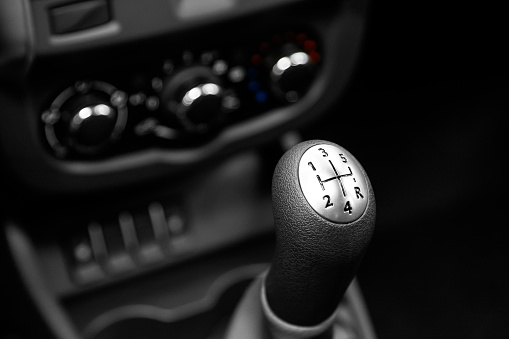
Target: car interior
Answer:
[[142, 193]]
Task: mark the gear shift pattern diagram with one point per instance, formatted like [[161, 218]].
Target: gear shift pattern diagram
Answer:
[[333, 184]]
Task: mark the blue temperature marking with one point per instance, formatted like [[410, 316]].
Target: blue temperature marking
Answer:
[[261, 96]]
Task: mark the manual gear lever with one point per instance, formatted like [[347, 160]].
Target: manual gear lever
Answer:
[[324, 213]]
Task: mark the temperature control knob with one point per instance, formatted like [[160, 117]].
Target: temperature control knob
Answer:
[[92, 125], [197, 98], [86, 118], [291, 75], [288, 63]]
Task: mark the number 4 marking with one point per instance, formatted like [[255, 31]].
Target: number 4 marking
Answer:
[[348, 208]]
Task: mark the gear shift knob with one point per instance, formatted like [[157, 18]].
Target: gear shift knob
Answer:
[[324, 211]]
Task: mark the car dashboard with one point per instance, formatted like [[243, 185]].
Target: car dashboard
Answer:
[[149, 133], [138, 141]]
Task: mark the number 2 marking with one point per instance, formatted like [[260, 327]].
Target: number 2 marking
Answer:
[[328, 204]]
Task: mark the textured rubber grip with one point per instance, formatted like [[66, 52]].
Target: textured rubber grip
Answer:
[[315, 259]]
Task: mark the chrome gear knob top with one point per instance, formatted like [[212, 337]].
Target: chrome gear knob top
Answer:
[[333, 183]]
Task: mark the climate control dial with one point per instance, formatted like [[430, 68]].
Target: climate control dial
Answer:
[[283, 67], [291, 75], [85, 118], [196, 97]]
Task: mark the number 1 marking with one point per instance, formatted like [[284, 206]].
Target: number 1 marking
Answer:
[[311, 164]]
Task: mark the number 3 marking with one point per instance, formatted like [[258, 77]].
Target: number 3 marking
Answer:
[[324, 154]]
